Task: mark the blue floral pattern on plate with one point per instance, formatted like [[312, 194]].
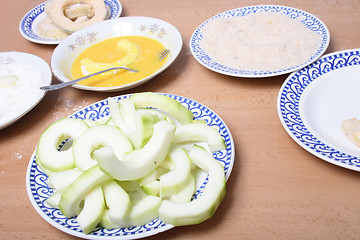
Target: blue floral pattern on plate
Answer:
[[39, 191], [310, 21], [288, 106], [26, 25]]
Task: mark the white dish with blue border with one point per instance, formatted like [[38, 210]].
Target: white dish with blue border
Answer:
[[310, 21], [313, 102], [28, 24], [38, 189]]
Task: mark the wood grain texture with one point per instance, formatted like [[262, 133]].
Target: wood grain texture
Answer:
[[277, 190]]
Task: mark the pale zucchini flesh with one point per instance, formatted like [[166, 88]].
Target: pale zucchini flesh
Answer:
[[144, 161], [92, 211], [164, 103], [59, 181], [173, 181], [73, 195], [200, 132], [95, 137], [205, 205], [47, 150], [118, 202]]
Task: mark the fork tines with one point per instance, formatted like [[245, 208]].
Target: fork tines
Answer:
[[164, 53]]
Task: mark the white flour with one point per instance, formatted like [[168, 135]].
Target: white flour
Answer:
[[265, 41], [19, 98]]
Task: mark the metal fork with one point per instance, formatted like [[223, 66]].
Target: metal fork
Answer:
[[164, 53], [65, 84]]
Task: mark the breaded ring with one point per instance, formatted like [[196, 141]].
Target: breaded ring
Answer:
[[78, 10], [60, 20]]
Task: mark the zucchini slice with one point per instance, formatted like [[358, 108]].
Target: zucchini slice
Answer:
[[164, 103], [49, 156], [205, 205], [140, 162]]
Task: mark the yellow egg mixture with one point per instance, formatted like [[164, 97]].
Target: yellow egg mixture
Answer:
[[136, 52]]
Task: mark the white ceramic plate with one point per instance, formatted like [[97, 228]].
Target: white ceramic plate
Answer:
[[66, 52], [38, 189], [28, 24], [34, 62], [310, 21], [313, 102]]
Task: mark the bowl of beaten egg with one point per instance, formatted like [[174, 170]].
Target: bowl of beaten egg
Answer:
[[134, 42]]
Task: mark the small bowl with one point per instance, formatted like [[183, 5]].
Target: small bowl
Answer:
[[66, 52], [27, 104]]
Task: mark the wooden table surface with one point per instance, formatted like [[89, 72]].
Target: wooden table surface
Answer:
[[276, 190]]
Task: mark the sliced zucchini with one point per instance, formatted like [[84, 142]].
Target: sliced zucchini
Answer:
[[89, 66], [116, 117], [152, 188], [145, 208], [118, 202], [47, 150], [53, 200], [73, 195], [202, 133], [144, 128], [59, 181], [105, 221], [144, 161], [95, 137], [173, 181], [91, 123], [205, 205], [185, 194], [92, 212], [164, 103]]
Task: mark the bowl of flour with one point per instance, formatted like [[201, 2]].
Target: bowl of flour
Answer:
[[259, 41], [21, 75]]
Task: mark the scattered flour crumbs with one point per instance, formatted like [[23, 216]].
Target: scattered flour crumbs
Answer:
[[18, 98], [265, 41]]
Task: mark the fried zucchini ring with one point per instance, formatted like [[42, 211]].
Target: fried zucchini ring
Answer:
[[57, 13]]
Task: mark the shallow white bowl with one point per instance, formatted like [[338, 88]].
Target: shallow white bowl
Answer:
[[34, 62], [66, 52]]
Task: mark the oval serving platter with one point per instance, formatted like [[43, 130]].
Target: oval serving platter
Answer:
[[307, 19], [313, 102], [28, 23], [38, 189]]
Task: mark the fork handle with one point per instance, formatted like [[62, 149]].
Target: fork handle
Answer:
[[69, 83]]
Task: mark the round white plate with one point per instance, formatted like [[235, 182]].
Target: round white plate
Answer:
[[313, 102], [66, 52], [28, 24], [38, 189], [308, 20], [34, 62]]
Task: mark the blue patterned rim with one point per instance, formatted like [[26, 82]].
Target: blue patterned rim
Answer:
[[288, 106], [308, 20], [26, 24], [39, 191]]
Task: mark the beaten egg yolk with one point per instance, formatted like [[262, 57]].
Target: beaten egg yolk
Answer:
[[108, 52]]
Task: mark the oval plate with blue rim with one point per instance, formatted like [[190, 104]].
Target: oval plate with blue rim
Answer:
[[313, 102], [38, 189], [29, 22], [308, 20]]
